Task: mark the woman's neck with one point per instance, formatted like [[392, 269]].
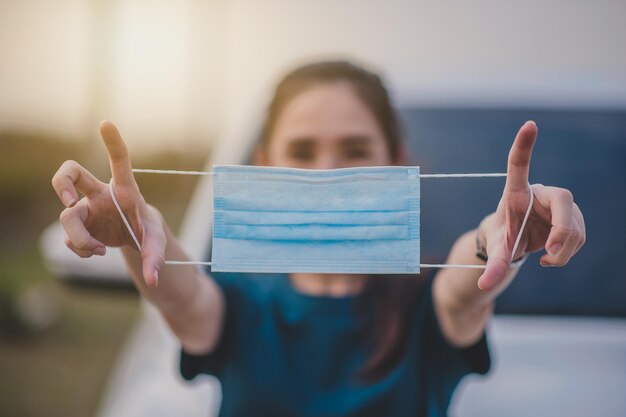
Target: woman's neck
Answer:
[[333, 285]]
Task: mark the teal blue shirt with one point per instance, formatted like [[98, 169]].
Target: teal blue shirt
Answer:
[[284, 353]]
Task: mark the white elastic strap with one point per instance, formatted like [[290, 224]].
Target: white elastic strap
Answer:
[[521, 229], [174, 172], [132, 233], [119, 209]]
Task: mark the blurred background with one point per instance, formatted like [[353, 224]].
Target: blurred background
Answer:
[[187, 81]]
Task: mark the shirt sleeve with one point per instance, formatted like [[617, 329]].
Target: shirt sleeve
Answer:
[[444, 365], [452, 362], [213, 362]]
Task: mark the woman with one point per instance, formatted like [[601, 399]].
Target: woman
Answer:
[[326, 344]]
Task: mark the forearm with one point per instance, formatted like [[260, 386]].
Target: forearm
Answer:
[[176, 285], [462, 284], [463, 309], [187, 298]]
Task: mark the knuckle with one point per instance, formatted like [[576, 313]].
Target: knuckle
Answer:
[[538, 187], [60, 175], [70, 165], [575, 234], [564, 231], [65, 216], [82, 242], [515, 162], [564, 194]]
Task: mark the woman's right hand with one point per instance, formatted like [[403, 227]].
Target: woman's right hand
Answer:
[[92, 222]]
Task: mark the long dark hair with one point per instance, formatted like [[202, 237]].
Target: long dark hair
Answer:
[[387, 303]]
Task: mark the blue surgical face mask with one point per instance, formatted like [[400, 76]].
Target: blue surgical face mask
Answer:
[[349, 220]]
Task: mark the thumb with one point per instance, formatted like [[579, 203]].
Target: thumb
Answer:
[[497, 267], [153, 253]]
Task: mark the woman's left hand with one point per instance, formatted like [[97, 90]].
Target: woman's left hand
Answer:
[[555, 222]]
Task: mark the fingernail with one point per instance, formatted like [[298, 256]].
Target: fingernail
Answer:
[[545, 265], [100, 251], [555, 248], [156, 277], [68, 198]]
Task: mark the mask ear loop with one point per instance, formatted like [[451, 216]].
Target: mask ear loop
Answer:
[[515, 246], [526, 216], [124, 219], [134, 236]]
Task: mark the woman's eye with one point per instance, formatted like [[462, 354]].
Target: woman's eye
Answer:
[[301, 154], [357, 153]]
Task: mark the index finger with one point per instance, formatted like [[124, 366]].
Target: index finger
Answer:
[[118, 154], [519, 158]]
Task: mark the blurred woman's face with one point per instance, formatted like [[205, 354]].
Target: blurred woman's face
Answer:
[[324, 127]]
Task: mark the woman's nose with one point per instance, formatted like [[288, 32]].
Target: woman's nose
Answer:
[[326, 161]]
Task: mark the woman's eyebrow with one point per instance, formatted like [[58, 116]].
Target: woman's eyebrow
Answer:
[[356, 140], [301, 142]]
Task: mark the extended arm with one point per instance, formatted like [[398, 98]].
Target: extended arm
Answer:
[[190, 302], [464, 298]]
